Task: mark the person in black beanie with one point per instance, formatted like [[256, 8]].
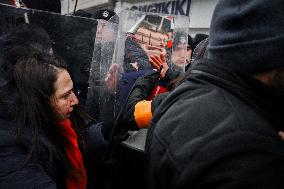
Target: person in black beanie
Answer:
[[45, 5], [219, 129]]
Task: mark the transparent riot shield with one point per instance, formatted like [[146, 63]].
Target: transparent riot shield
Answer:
[[142, 35], [101, 99], [71, 38], [146, 34]]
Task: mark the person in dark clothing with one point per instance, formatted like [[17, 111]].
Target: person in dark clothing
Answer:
[[42, 138], [219, 128], [35, 126], [138, 108]]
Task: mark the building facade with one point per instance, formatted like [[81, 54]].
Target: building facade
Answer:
[[199, 11]]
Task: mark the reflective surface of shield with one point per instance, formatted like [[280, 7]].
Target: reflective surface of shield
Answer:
[[71, 38]]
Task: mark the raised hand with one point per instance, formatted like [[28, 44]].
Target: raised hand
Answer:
[[159, 63]]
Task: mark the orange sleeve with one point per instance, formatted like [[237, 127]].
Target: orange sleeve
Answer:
[[143, 113]]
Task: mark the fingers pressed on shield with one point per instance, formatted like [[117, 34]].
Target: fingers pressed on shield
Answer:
[[163, 58], [155, 62]]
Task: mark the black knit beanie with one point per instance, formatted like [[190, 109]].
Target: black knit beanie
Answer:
[[248, 36], [45, 5]]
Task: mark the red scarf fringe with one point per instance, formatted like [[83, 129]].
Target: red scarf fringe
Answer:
[[79, 180]]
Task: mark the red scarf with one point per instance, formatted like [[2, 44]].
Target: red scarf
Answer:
[[157, 90], [74, 154]]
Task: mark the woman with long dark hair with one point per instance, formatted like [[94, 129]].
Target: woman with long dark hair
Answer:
[[39, 147]]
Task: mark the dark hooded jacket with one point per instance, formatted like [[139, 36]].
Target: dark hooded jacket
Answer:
[[217, 130], [46, 172]]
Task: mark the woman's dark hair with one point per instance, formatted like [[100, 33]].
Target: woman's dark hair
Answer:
[[34, 77]]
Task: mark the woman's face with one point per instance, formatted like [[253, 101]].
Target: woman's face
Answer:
[[63, 99]]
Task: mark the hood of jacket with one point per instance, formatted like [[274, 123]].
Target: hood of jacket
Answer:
[[267, 101]]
